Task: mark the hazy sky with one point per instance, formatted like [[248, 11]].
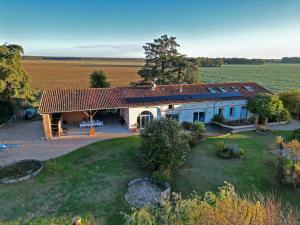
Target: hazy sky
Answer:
[[118, 28]]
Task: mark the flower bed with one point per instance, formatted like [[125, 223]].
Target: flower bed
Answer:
[[20, 170]]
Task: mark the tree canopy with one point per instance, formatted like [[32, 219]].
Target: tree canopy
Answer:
[[291, 101], [14, 81], [98, 80], [163, 145], [266, 106], [165, 65]]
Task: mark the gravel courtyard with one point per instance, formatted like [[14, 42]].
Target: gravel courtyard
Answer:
[[27, 135]]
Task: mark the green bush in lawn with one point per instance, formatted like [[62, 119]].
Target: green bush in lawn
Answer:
[[198, 129], [159, 178], [229, 151], [289, 172], [296, 134], [164, 145]]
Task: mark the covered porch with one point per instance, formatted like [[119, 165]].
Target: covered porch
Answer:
[[97, 123]]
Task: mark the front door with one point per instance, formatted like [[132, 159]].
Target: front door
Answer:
[[244, 113], [144, 118]]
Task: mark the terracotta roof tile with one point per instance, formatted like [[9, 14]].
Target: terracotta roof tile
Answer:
[[57, 100]]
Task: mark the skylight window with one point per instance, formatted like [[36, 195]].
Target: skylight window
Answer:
[[212, 90], [222, 89], [249, 88], [235, 89]]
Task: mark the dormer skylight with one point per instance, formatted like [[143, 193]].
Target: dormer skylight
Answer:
[[222, 89], [212, 90], [249, 88], [235, 89]]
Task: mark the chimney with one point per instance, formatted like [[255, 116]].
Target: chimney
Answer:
[[153, 86], [180, 89]]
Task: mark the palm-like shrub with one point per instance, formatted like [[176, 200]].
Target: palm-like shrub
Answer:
[[229, 151]]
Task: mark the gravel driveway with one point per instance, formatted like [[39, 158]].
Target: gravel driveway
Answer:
[[27, 135]]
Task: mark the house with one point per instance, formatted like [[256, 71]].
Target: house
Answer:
[[136, 106]]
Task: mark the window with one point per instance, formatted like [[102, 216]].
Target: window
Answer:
[[171, 107], [220, 111], [244, 112], [235, 89], [222, 89], [231, 112], [249, 88], [199, 117], [212, 90], [174, 116]]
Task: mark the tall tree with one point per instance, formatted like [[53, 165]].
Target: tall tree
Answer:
[[14, 81], [166, 65], [98, 80]]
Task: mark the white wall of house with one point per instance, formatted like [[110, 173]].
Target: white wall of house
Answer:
[[135, 112], [186, 111]]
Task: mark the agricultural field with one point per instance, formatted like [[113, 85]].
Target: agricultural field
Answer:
[[275, 77], [47, 74]]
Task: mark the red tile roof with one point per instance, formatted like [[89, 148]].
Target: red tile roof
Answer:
[[121, 97]]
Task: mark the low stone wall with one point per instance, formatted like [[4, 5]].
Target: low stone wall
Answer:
[[27, 177]]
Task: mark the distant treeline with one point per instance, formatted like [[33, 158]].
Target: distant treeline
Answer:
[[75, 58], [290, 60], [204, 61]]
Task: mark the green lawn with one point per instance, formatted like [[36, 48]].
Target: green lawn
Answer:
[[91, 182], [275, 77]]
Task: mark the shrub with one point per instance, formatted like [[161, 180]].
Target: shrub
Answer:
[[163, 145], [198, 129], [159, 178], [296, 134], [229, 151], [289, 172], [218, 118], [98, 80], [291, 101], [191, 138], [225, 207], [186, 125]]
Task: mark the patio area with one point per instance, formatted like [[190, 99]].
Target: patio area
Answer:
[[111, 126]]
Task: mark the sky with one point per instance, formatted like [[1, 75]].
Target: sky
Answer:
[[119, 28]]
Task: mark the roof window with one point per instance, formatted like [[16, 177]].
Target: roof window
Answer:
[[222, 89], [212, 90], [249, 88], [235, 89]]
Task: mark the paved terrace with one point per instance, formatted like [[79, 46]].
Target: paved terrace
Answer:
[[27, 135]]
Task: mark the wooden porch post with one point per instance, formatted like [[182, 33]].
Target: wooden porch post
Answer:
[[47, 126]]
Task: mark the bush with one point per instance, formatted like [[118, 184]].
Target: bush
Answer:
[[289, 172], [291, 101], [224, 207], [163, 145], [191, 138], [159, 178], [296, 134], [218, 118], [186, 125], [229, 151], [198, 129], [284, 115]]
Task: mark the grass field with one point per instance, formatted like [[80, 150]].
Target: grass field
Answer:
[[121, 72], [96, 190], [275, 77]]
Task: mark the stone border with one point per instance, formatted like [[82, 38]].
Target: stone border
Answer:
[[27, 177], [165, 193]]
